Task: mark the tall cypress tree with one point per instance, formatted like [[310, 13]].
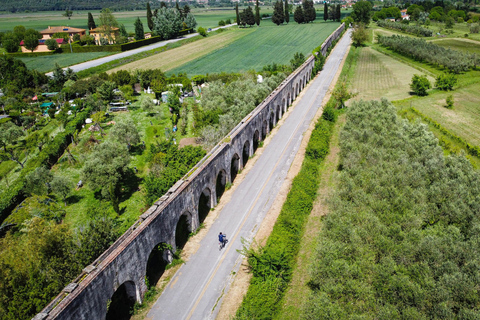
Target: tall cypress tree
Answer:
[[325, 11], [257, 14], [91, 22], [298, 15], [149, 17], [249, 17], [238, 16], [287, 14], [278, 16], [339, 12], [139, 33]]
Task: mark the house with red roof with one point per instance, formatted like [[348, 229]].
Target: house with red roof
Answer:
[[42, 47]]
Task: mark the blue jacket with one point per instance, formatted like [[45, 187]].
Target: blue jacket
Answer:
[[220, 237]]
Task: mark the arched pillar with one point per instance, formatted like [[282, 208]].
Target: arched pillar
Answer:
[[122, 301], [246, 152], [234, 167]]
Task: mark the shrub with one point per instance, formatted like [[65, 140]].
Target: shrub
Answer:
[[449, 102], [51, 44], [413, 29], [221, 23], [446, 81], [420, 85], [228, 21], [201, 31], [474, 28]]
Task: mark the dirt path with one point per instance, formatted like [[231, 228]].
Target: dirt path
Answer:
[[238, 289]]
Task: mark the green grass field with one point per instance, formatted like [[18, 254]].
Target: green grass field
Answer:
[[47, 63], [464, 45], [266, 45]]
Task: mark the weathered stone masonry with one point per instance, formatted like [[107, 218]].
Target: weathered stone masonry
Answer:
[[125, 262]]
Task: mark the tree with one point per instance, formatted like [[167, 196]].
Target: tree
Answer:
[[298, 15], [31, 39], [168, 23], [126, 132], [10, 42], [139, 33], [341, 94], [449, 101], [339, 12], [237, 14], [68, 13], [9, 134], [127, 91], [149, 17], [249, 16], [91, 22], [123, 31], [308, 11], [446, 81], [325, 11], [38, 181], [361, 12], [298, 59], [278, 16], [108, 22], [19, 33], [62, 187], [420, 85], [201, 31], [105, 168], [359, 35], [147, 104], [286, 12], [105, 91], [173, 103], [257, 14], [190, 20]]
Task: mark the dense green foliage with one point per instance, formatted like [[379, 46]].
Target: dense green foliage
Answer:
[[422, 50], [408, 28], [401, 238], [391, 12], [361, 12], [446, 81], [420, 85], [272, 265], [168, 165], [40, 259]]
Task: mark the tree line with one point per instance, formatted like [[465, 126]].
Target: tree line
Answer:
[[422, 50]]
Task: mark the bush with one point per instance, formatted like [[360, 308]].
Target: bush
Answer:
[[449, 102], [228, 21], [201, 31], [51, 44], [474, 28], [221, 23], [420, 85], [446, 81]]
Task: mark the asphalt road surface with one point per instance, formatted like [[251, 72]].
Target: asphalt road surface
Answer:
[[100, 61], [196, 290]]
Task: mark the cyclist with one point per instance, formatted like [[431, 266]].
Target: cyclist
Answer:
[[221, 238]]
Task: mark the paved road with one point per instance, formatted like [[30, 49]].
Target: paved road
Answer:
[[196, 290], [100, 61]]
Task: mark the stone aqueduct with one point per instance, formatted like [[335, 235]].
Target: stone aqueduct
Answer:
[[189, 200]]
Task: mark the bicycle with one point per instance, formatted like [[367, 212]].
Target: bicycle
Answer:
[[222, 244]]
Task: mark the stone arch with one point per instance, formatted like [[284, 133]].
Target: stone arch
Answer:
[[278, 115], [246, 152], [122, 301], [234, 166], [256, 139], [271, 121], [220, 183], [284, 105], [204, 204], [184, 227], [160, 256], [264, 129], [289, 99], [296, 90]]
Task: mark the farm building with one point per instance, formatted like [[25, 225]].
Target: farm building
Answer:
[[47, 33]]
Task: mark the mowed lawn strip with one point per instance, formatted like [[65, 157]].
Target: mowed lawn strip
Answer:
[[47, 63], [379, 75], [175, 57], [266, 45]]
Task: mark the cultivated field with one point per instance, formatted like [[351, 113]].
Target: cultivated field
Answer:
[[266, 45], [176, 57], [47, 63], [464, 45], [378, 75]]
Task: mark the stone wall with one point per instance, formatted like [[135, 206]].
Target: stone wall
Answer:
[[125, 262]]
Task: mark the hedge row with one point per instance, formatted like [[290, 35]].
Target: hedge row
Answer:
[[30, 54], [471, 149], [13, 196], [273, 264]]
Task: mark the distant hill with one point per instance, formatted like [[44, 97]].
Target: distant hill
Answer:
[[60, 5]]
